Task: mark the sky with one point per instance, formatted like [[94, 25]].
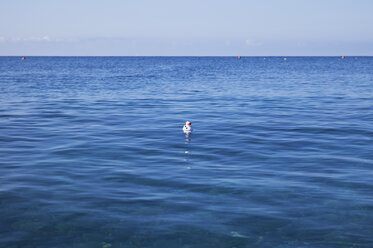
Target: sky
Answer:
[[186, 28]]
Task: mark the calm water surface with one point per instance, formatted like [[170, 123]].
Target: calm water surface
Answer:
[[92, 153]]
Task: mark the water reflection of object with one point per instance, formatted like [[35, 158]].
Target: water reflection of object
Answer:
[[188, 139]]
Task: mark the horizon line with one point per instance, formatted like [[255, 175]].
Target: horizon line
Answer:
[[242, 56]]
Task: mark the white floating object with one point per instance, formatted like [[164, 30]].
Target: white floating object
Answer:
[[187, 127]]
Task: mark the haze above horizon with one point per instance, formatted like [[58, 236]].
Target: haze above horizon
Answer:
[[188, 28]]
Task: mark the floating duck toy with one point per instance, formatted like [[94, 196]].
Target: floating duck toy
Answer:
[[187, 127]]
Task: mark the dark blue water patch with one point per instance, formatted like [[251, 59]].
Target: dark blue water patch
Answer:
[[93, 154]]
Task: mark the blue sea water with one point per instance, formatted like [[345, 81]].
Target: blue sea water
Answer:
[[92, 152]]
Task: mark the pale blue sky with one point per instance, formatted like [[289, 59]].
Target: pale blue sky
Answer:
[[175, 27]]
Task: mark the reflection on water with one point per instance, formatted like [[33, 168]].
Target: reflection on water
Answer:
[[188, 139]]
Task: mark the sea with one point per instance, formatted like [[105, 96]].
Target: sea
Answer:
[[92, 152]]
